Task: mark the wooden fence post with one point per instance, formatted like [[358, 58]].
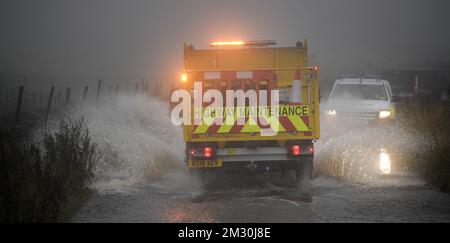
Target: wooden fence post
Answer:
[[19, 104], [67, 96], [153, 89], [59, 97], [158, 89], [85, 92], [137, 88], [49, 104], [146, 88], [99, 86]]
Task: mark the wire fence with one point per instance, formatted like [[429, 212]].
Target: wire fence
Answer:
[[20, 94]]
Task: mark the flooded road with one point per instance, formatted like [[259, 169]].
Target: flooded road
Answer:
[[143, 180], [254, 199]]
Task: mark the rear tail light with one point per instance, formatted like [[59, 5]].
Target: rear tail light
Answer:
[[207, 152], [309, 149], [296, 150], [202, 152], [192, 152]]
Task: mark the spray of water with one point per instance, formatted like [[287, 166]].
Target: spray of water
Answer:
[[361, 154], [136, 138]]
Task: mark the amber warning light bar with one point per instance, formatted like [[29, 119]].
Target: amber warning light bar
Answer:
[[257, 43]]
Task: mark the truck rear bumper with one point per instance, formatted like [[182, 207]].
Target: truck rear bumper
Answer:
[[257, 154], [258, 165], [250, 155], [258, 159]]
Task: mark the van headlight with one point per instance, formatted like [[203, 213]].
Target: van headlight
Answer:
[[331, 112], [384, 114]]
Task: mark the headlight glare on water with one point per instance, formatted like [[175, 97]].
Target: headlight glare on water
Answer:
[[384, 163]]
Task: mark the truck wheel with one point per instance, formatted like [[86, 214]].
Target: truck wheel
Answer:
[[303, 173]]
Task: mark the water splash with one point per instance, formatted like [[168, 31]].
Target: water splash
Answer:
[[353, 153], [137, 140]]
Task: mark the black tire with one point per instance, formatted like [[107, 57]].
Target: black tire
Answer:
[[303, 173]]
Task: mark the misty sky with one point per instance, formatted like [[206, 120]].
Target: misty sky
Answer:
[[144, 38]]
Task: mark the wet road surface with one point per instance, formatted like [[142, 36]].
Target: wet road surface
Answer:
[[262, 198]]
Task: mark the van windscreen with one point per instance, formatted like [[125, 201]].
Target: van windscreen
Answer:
[[359, 91]]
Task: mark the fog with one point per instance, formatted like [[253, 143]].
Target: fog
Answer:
[[144, 38]]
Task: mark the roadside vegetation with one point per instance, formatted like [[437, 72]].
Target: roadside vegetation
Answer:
[[45, 180], [432, 121]]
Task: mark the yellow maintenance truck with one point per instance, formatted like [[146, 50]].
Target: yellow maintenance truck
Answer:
[[274, 131]]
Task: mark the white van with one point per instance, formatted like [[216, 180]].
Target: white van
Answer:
[[360, 100]]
